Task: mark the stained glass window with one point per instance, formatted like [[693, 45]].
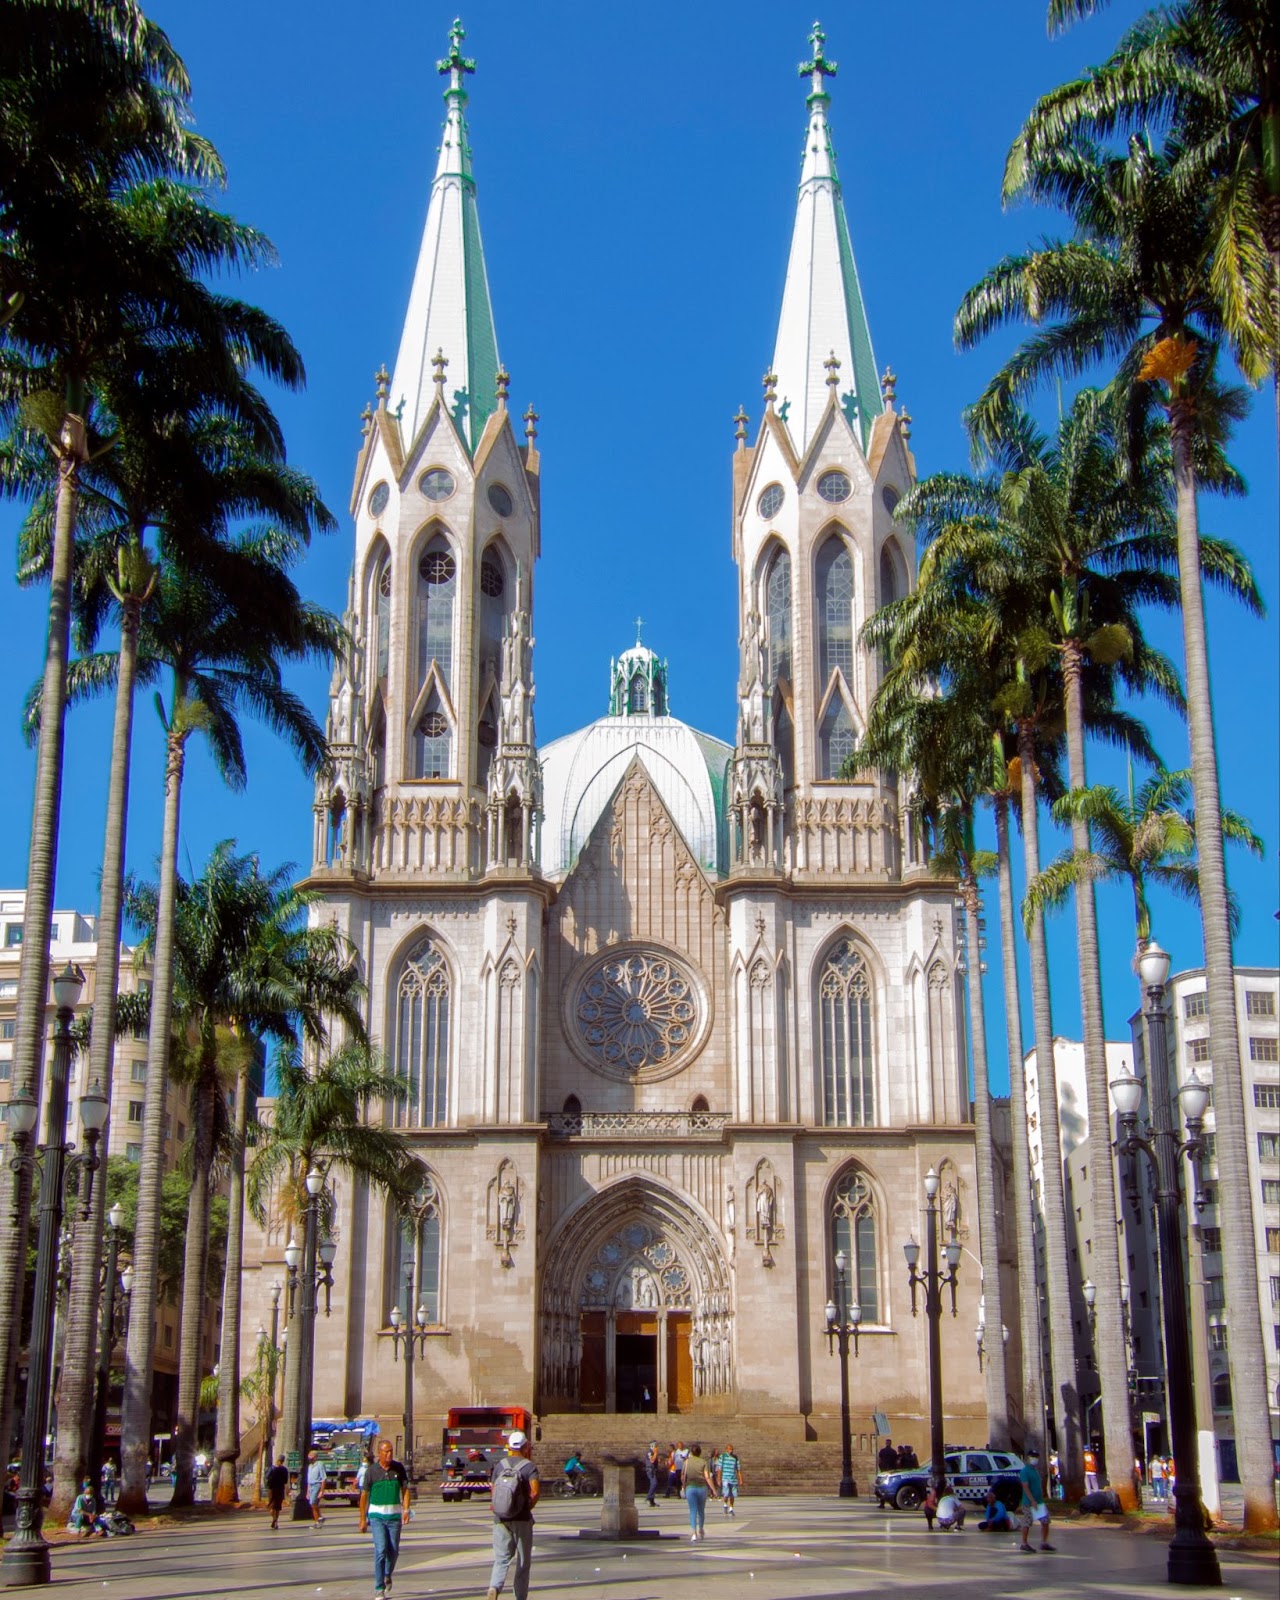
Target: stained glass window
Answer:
[[848, 1065], [422, 1038]]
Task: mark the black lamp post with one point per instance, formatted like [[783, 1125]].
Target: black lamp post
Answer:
[[110, 1330], [26, 1556], [311, 1279], [842, 1323], [1192, 1557], [933, 1281], [411, 1331]]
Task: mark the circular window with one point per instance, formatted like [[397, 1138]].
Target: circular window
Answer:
[[437, 484], [636, 1015], [491, 581], [835, 486], [379, 500], [433, 725], [437, 566], [890, 496], [770, 502], [384, 583], [500, 499]]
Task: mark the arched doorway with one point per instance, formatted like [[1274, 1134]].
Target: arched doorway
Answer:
[[636, 1310]]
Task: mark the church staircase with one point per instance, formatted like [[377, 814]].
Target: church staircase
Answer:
[[776, 1456]]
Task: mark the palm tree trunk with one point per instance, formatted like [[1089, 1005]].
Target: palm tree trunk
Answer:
[[1024, 1211], [195, 1269], [1249, 1398], [1062, 1352], [75, 1421], [228, 1440], [42, 861], [1104, 1262], [135, 1423]]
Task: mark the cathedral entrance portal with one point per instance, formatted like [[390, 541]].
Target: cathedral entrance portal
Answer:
[[636, 1311]]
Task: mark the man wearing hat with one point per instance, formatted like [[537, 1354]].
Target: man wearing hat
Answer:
[[513, 1534]]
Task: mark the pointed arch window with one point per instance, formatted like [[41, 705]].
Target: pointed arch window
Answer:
[[853, 1230], [777, 607], [437, 594], [422, 1038], [382, 616], [848, 1065], [638, 693], [432, 741], [835, 609], [888, 577], [418, 1238], [493, 609], [784, 741], [837, 736], [486, 739]]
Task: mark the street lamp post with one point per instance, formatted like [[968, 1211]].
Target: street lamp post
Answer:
[[1192, 1558], [26, 1556], [109, 1331], [933, 1281], [842, 1322], [411, 1331], [311, 1279]]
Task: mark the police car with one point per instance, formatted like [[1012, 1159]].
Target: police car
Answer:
[[970, 1473]]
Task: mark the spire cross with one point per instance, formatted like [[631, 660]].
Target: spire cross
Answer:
[[439, 362], [832, 364], [504, 383], [889, 386], [383, 380], [740, 425], [770, 387], [819, 68], [455, 63], [639, 625], [531, 424]]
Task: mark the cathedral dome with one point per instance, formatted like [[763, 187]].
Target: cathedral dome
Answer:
[[581, 771]]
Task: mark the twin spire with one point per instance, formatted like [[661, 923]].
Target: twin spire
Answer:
[[823, 317]]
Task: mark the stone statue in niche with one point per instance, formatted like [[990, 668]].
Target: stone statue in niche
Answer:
[[503, 1211], [951, 1209], [764, 1226]]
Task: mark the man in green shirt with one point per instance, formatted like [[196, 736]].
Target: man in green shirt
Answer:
[[384, 1508]]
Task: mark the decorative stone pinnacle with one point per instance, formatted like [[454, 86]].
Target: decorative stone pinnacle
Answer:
[[819, 68], [906, 423], [770, 388], [740, 425], [455, 61], [383, 380], [439, 362], [832, 364], [531, 424], [504, 383], [366, 421], [889, 386]]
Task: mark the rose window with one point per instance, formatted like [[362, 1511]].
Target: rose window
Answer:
[[636, 1012]]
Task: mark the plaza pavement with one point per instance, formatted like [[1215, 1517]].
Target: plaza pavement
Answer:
[[787, 1548]]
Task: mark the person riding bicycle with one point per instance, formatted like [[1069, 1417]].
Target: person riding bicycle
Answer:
[[574, 1471]]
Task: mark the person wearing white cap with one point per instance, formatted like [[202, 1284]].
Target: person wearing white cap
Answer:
[[515, 1493]]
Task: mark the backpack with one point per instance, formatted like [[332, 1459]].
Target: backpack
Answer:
[[510, 1490]]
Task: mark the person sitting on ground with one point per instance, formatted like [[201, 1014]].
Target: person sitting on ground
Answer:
[[929, 1505], [84, 1513], [950, 1512], [996, 1518]]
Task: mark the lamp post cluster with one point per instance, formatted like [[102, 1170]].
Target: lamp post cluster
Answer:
[[843, 1319], [933, 1280], [1192, 1557], [26, 1556], [301, 1261], [114, 1322], [411, 1331]]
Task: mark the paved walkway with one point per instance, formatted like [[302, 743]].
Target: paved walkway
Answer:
[[775, 1549]]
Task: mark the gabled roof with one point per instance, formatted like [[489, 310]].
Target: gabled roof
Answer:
[[449, 305], [822, 310]]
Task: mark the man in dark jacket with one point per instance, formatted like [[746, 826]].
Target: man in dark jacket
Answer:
[[277, 1486], [887, 1460]]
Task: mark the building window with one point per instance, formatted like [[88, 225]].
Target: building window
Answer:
[[638, 693], [432, 742], [1214, 1297], [1271, 1191], [853, 1230], [168, 1334], [6, 1070], [382, 617], [1275, 1291], [1217, 1337], [1195, 1005], [437, 591], [1211, 1240], [1269, 1147], [422, 1038], [1197, 1050], [13, 935], [1259, 1003], [777, 608], [138, 1072], [418, 1240], [133, 1152], [837, 736], [1222, 1392], [1264, 1049], [135, 1110], [848, 1066], [8, 1029], [9, 989], [835, 610], [1210, 1142], [1267, 1096], [1273, 1241]]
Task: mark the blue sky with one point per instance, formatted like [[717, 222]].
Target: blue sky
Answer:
[[636, 169]]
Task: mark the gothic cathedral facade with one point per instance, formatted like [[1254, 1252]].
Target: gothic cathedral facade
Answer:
[[677, 1020]]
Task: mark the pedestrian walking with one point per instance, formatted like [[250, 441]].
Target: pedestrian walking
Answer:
[[385, 1506], [110, 1487], [652, 1461], [697, 1483], [315, 1487], [277, 1486], [675, 1462], [515, 1493], [730, 1479], [1159, 1483], [1091, 1470], [1032, 1507]]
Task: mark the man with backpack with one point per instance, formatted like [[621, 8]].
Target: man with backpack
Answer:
[[515, 1493]]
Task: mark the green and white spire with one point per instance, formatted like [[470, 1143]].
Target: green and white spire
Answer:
[[822, 310], [449, 307]]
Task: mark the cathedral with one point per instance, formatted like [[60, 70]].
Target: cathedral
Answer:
[[677, 1020]]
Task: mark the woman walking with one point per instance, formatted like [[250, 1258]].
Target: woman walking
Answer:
[[698, 1484]]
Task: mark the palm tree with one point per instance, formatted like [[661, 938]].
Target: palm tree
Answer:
[[1133, 286], [321, 1118]]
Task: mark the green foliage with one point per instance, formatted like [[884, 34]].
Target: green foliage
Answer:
[[122, 1186]]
